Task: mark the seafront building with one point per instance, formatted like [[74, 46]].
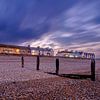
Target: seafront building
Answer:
[[23, 50], [42, 51], [75, 54], [13, 49], [27, 50]]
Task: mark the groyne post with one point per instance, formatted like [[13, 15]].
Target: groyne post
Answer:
[[22, 60], [57, 66], [93, 69], [38, 63]]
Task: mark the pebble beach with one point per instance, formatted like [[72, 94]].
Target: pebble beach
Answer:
[[51, 89], [17, 83]]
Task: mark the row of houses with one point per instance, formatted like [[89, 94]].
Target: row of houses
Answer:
[[42, 51], [22, 50], [75, 54]]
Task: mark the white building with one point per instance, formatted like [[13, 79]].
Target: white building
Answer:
[[75, 54], [42, 51], [64, 53]]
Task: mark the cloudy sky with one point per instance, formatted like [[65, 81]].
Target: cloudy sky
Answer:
[[70, 24]]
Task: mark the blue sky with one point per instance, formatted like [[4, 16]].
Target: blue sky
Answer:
[[69, 24]]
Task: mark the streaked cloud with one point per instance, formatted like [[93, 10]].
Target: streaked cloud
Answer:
[[71, 24], [75, 28]]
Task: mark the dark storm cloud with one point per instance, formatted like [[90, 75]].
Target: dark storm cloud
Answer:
[[19, 19], [13, 34]]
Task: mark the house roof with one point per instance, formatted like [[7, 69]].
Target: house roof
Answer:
[[13, 46], [64, 51]]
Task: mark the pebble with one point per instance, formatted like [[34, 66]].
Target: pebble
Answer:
[[51, 89], [19, 83]]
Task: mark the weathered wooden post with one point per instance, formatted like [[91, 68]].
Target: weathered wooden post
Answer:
[[22, 60], [93, 69], [57, 66], [38, 62]]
